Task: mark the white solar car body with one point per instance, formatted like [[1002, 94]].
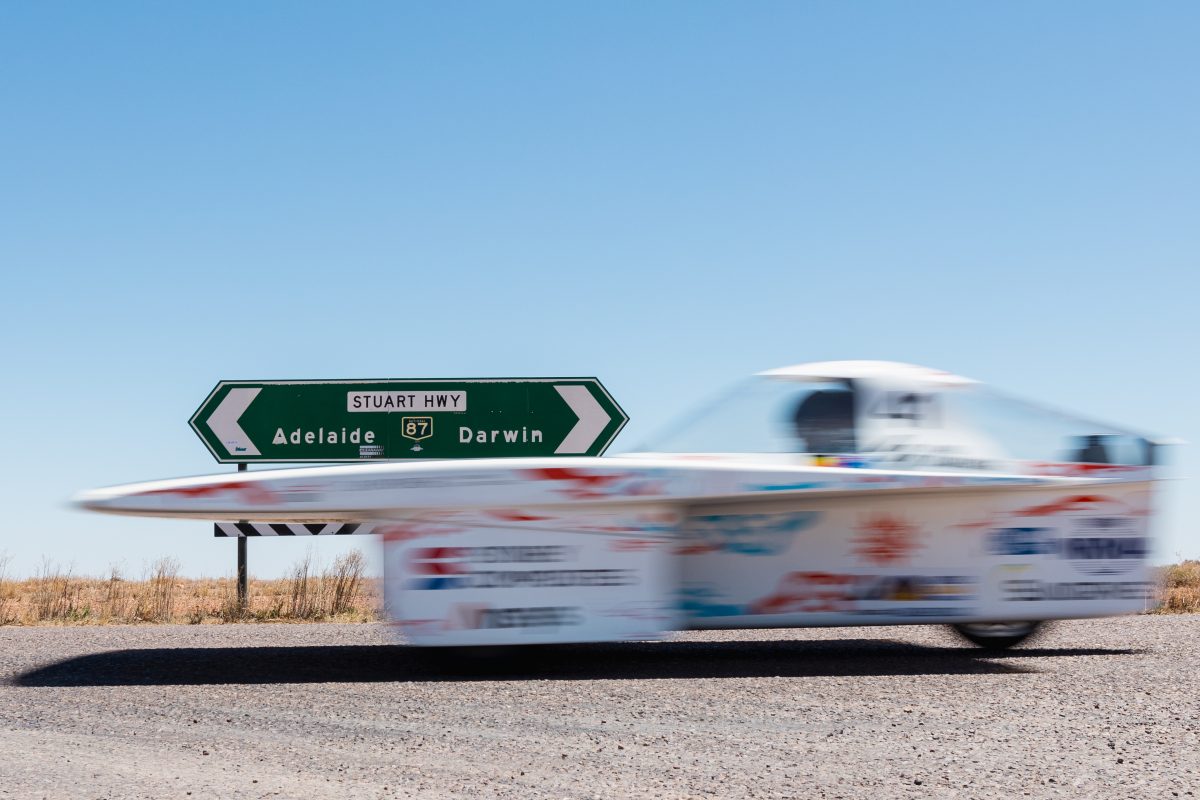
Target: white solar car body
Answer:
[[839, 493]]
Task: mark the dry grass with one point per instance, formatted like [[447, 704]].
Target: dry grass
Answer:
[[341, 593], [55, 596], [1180, 587], [8, 594]]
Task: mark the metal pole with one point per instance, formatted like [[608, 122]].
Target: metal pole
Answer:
[[242, 588]]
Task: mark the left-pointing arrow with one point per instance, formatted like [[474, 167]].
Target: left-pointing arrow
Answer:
[[224, 422]]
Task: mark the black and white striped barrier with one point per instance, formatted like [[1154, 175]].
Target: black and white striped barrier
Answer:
[[239, 529]]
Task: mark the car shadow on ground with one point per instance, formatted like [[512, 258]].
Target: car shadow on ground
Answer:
[[610, 661]]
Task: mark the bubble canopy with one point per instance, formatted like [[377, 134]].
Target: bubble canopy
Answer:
[[894, 415]]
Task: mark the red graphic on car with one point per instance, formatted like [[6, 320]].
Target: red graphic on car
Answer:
[[886, 539], [514, 515], [584, 485], [251, 493], [808, 592], [1079, 470], [415, 529], [437, 561], [1078, 502], [1069, 505]]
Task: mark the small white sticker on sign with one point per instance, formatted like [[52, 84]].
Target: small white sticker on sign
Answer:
[[406, 401]]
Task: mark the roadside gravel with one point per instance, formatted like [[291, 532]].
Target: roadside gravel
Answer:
[[1106, 708]]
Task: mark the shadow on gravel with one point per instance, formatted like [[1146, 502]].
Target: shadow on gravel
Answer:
[[623, 661]]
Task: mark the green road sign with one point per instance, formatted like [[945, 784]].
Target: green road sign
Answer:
[[316, 421]]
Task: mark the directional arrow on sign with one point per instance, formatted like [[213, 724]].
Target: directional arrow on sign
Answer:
[[592, 420], [224, 422], [326, 421]]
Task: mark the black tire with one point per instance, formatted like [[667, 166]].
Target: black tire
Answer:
[[996, 635]]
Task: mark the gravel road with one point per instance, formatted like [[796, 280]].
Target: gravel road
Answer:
[[1106, 708]]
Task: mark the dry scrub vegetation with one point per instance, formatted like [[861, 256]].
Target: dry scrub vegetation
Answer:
[[1180, 588], [341, 593]]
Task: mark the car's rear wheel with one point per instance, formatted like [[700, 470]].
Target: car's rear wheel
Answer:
[[996, 635]]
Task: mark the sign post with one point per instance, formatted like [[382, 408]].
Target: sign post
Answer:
[[243, 588], [343, 421]]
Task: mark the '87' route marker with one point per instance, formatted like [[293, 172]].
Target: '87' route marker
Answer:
[[327, 421]]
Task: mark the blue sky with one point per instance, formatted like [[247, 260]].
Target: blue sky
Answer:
[[666, 195]]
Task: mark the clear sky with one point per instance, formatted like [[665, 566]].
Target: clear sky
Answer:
[[667, 195]]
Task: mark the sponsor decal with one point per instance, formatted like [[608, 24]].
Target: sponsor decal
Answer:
[[1030, 590], [642, 611], [1104, 545], [706, 601], [885, 539], [532, 579], [1021, 541], [1092, 545], [474, 616], [435, 558], [744, 534], [826, 592], [441, 568], [846, 462], [1096, 535]]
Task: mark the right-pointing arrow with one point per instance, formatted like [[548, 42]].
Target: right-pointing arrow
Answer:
[[224, 422], [592, 419]]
